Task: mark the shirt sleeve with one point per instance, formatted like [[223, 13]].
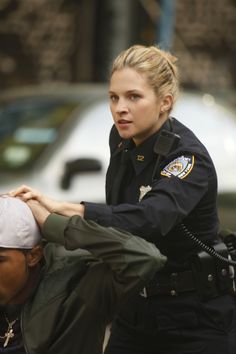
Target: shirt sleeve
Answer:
[[169, 201]]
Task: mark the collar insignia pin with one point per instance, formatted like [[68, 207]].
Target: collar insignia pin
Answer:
[[140, 157]]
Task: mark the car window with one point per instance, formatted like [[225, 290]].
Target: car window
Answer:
[[27, 127]]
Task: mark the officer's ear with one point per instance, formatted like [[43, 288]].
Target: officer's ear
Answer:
[[34, 256], [167, 103]]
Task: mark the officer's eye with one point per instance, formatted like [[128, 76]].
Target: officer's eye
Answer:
[[113, 98], [134, 97]]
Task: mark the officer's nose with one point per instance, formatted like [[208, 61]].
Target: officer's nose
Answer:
[[121, 107]]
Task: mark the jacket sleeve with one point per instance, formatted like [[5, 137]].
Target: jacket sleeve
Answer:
[[127, 262], [121, 250]]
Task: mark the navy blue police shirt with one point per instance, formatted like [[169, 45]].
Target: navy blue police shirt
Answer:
[[183, 190]]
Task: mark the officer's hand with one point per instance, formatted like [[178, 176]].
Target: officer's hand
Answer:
[[26, 193]]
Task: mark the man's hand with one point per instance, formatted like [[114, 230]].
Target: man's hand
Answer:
[[40, 213]]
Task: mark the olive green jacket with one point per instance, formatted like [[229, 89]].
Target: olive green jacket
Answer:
[[77, 296]]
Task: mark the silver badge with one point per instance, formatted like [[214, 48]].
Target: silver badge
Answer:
[[143, 191]]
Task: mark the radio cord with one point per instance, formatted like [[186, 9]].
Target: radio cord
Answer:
[[205, 247]]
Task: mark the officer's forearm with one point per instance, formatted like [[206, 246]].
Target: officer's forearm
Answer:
[[69, 209]]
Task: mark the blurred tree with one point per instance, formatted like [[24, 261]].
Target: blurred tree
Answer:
[[205, 41], [75, 40], [39, 40]]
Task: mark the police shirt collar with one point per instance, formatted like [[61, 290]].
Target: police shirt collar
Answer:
[[142, 154]]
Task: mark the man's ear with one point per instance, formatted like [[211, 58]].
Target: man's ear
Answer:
[[34, 256]]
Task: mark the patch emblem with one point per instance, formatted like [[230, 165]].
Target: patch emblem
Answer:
[[180, 167], [143, 191]]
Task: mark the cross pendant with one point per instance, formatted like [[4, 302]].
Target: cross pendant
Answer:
[[8, 335]]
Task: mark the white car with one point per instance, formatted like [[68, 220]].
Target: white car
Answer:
[[55, 138], [215, 125]]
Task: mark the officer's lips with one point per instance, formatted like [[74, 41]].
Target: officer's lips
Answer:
[[123, 123]]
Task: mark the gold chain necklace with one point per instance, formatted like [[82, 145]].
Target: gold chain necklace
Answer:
[[9, 333]]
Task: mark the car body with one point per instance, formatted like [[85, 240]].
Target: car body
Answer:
[[55, 138], [54, 130], [214, 123]]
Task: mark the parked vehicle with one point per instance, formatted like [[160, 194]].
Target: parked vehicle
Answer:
[[215, 125], [55, 138]]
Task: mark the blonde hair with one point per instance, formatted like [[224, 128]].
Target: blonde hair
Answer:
[[159, 66]]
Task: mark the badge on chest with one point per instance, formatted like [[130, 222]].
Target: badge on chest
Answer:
[[143, 190]]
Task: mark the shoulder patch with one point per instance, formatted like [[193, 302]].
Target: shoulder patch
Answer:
[[180, 167]]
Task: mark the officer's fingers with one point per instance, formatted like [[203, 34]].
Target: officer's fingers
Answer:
[[13, 192], [19, 190], [28, 195]]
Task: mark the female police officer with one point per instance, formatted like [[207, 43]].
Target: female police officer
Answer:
[[161, 185]]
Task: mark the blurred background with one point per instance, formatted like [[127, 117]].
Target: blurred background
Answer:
[[75, 40], [54, 62]]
